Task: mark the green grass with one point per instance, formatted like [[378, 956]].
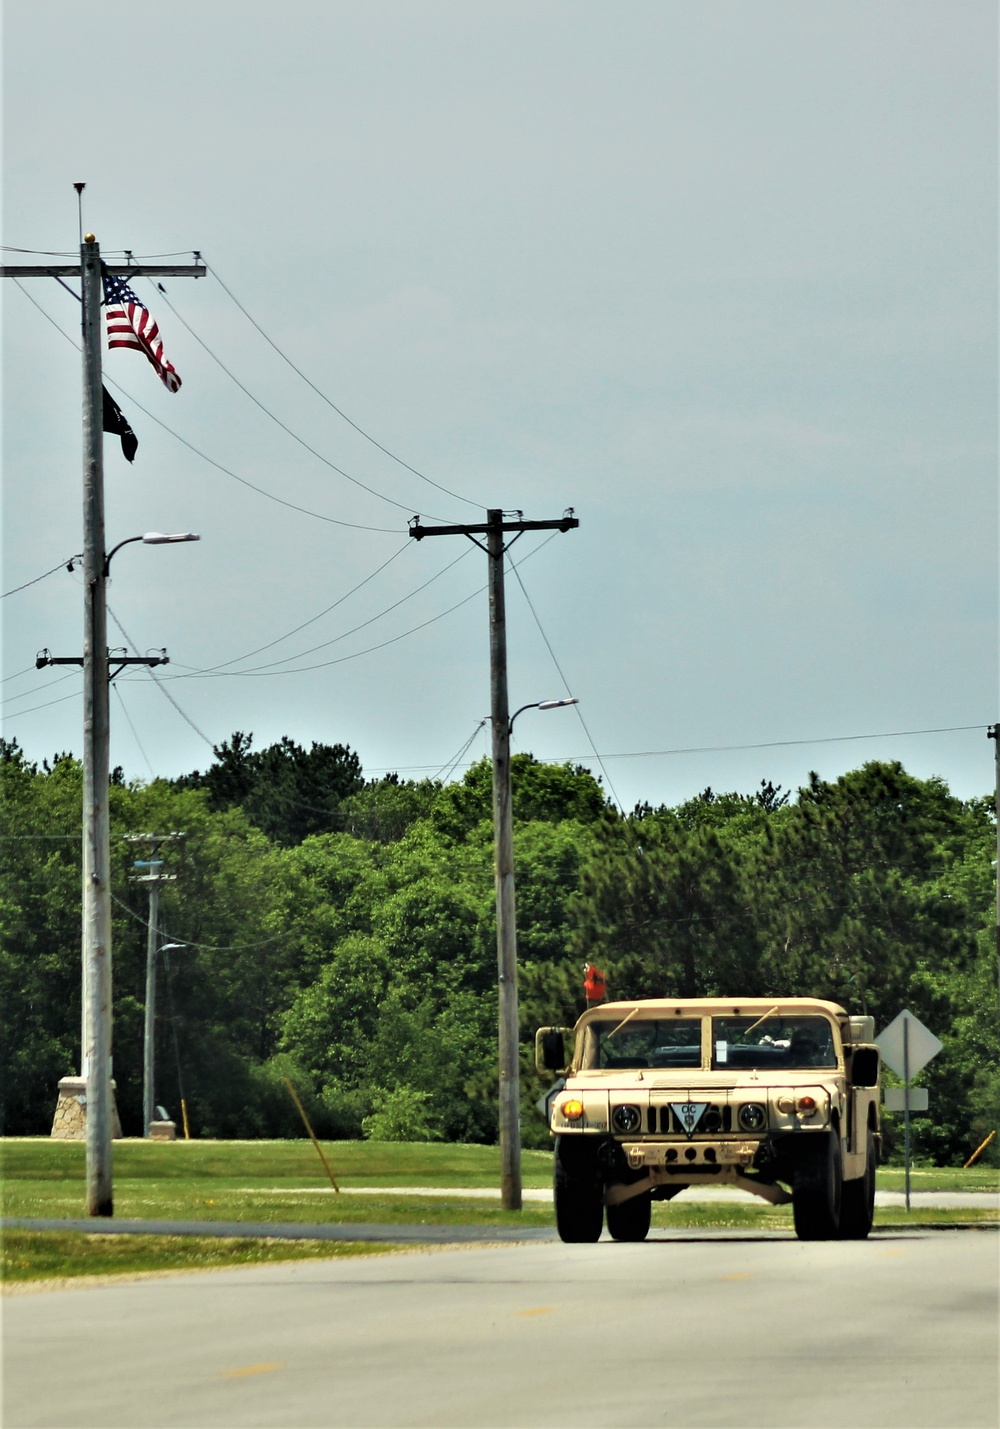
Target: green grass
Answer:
[[267, 1181], [270, 1163], [940, 1178], [274, 1181], [46, 1255]]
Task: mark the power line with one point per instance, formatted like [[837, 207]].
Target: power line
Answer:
[[28, 694], [40, 252], [108, 253], [190, 943], [66, 564], [20, 674], [325, 664], [276, 419], [787, 743], [264, 674], [62, 700], [292, 506], [333, 641], [566, 687], [135, 733], [166, 693], [322, 395], [209, 669], [448, 768], [717, 748]]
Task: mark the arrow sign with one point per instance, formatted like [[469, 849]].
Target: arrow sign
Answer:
[[907, 1045]]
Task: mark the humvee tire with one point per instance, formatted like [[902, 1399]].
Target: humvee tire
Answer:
[[817, 1190], [857, 1206], [577, 1190], [630, 1220]]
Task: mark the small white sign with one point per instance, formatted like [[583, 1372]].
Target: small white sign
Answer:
[[921, 1045], [896, 1098]]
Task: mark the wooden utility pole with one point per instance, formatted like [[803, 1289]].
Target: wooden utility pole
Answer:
[[96, 1061], [495, 530], [153, 878]]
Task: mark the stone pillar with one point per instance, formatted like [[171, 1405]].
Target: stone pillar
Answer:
[[70, 1120]]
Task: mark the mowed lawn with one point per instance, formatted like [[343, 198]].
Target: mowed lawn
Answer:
[[284, 1181], [270, 1181]]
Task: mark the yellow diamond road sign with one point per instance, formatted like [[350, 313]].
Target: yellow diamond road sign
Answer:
[[907, 1045]]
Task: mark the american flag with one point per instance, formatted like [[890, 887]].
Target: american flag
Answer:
[[130, 325]]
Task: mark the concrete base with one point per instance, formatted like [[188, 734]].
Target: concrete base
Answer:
[[70, 1120], [162, 1131]]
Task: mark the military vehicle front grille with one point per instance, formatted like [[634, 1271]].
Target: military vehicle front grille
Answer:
[[662, 1121]]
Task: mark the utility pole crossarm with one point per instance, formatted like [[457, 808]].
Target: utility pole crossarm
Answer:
[[565, 523], [119, 270]]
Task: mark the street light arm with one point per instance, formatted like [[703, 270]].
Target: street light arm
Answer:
[[542, 705], [150, 538], [532, 706], [115, 549]]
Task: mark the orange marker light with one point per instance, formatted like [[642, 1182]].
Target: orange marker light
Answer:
[[807, 1105], [572, 1110]]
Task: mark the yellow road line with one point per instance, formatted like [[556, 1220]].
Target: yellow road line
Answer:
[[244, 1371]]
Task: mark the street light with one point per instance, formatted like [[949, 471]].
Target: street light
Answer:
[[151, 538], [543, 705]]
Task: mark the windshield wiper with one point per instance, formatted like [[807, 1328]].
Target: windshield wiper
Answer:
[[622, 1023], [754, 1025]]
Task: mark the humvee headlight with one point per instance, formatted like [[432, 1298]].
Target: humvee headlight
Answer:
[[626, 1119], [752, 1117], [572, 1110]]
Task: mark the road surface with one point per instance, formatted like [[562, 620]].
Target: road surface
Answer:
[[688, 1330]]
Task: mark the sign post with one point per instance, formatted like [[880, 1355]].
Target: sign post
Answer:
[[907, 1046]]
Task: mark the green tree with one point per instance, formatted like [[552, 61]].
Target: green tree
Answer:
[[285, 790]]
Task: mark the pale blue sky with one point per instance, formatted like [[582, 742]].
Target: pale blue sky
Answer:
[[721, 277]]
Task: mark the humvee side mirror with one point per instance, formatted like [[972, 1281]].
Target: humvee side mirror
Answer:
[[864, 1067], [550, 1049]]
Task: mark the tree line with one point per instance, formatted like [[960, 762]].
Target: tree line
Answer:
[[341, 931]]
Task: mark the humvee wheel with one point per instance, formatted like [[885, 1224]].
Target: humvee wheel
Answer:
[[857, 1208], [577, 1190], [630, 1220], [816, 1190]]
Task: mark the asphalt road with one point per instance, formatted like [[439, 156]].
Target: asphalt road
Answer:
[[898, 1332]]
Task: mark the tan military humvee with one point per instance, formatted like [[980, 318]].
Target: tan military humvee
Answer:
[[779, 1098]]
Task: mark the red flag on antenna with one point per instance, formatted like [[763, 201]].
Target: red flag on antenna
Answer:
[[595, 986]]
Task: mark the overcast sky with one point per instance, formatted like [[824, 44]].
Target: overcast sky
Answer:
[[721, 277]]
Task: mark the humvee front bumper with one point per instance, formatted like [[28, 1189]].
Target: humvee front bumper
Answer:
[[692, 1155]]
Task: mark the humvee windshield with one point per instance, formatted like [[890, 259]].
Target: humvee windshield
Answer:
[[643, 1043], [776, 1041]]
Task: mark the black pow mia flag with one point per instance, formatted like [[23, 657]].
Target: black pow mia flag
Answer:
[[116, 423]]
